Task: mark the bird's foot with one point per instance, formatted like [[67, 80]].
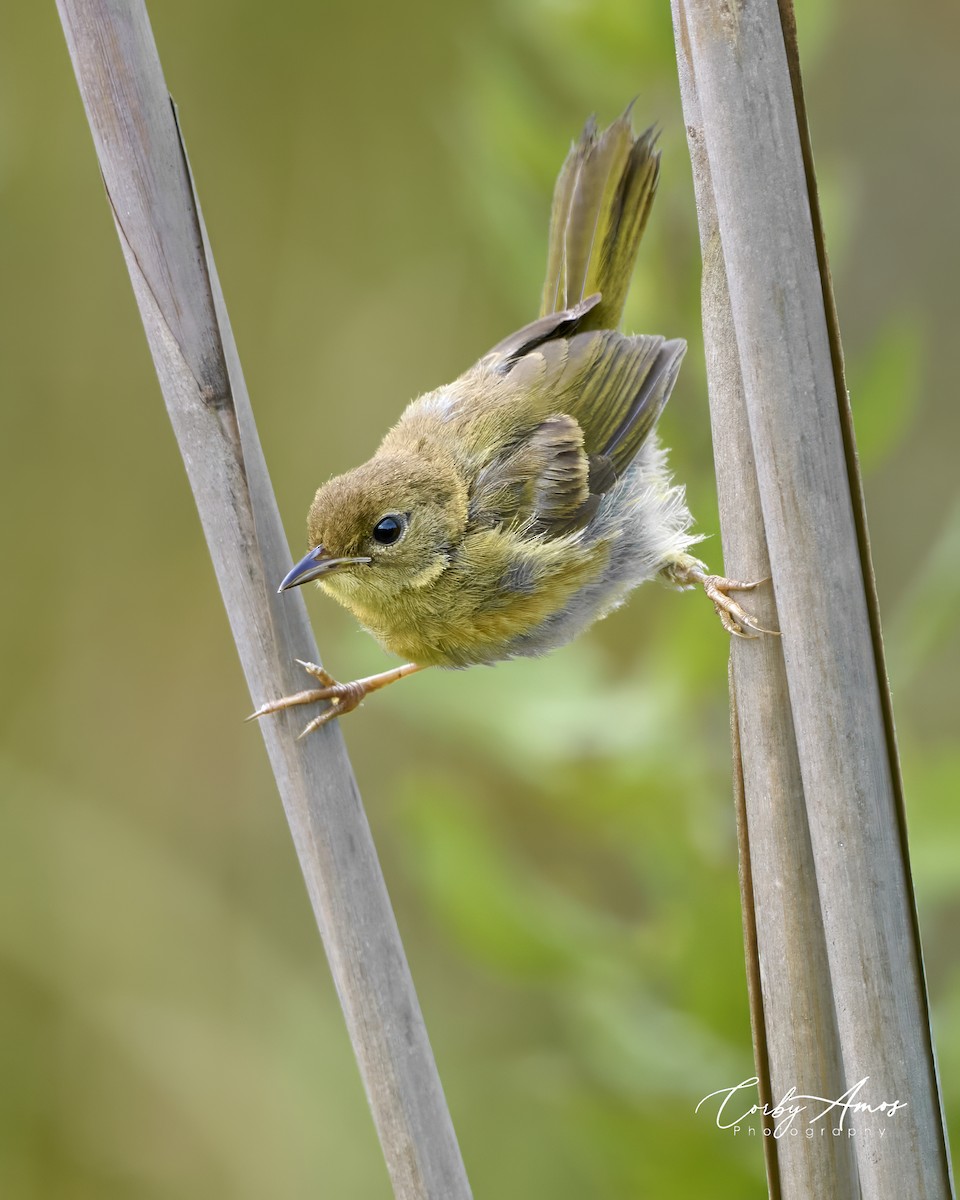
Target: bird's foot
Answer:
[[690, 572], [341, 697]]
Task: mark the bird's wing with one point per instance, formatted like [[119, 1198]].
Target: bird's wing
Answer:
[[540, 482], [506, 353], [616, 388], [608, 391]]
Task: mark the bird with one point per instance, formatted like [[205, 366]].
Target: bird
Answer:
[[507, 511]]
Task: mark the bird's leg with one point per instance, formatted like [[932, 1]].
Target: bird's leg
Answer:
[[343, 697], [686, 571]]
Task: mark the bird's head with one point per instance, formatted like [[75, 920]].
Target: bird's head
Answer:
[[387, 526]]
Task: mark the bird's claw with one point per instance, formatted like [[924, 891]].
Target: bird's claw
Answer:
[[342, 698], [733, 617]]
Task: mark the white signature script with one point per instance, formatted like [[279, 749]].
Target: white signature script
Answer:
[[791, 1106]]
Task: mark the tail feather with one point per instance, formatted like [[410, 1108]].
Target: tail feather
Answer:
[[600, 207]]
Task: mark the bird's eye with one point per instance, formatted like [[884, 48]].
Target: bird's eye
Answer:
[[388, 530]]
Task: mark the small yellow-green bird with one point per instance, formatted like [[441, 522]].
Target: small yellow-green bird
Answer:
[[510, 509]]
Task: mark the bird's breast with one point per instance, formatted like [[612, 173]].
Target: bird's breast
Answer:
[[496, 590]]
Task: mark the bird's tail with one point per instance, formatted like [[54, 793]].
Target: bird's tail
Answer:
[[600, 207]]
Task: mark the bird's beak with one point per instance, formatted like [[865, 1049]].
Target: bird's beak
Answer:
[[318, 562]]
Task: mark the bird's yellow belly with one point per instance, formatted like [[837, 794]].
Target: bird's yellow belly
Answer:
[[460, 619]]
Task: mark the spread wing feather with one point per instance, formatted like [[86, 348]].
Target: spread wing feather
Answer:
[[505, 354], [542, 482], [620, 386], [609, 391]]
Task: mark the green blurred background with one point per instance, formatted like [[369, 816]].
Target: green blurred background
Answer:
[[557, 836]]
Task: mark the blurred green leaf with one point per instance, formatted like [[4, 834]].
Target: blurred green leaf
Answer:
[[496, 906], [927, 612], [885, 390]]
